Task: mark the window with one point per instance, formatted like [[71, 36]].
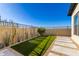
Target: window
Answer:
[[76, 24]]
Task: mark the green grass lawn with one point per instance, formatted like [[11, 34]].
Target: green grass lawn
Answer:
[[34, 47]]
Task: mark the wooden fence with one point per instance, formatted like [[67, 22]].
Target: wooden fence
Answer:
[[59, 31]]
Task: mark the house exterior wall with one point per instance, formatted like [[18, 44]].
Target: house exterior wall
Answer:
[[74, 37]]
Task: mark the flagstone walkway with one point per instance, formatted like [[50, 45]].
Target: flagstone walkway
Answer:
[[63, 46]]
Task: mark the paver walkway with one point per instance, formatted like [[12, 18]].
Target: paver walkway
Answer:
[[63, 46]]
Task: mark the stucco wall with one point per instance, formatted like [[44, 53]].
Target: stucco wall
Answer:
[[74, 37]]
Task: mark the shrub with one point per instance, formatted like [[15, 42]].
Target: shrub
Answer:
[[41, 31]]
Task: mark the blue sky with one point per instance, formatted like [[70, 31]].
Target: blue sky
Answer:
[[39, 14]]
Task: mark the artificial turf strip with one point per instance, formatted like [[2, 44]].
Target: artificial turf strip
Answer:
[[27, 47], [40, 49], [48, 44], [36, 46]]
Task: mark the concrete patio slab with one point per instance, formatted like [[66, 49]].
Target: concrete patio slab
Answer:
[[71, 45], [64, 50], [53, 54], [62, 46], [64, 39], [9, 52]]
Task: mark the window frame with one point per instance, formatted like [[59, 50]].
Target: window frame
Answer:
[[77, 26]]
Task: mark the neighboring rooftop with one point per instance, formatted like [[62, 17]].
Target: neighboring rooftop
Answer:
[[72, 8]]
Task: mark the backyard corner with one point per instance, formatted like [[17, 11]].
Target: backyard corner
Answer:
[[43, 31]]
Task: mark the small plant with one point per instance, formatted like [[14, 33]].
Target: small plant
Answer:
[[41, 31], [1, 45]]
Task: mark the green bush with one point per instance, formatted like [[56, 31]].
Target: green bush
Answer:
[[41, 31]]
